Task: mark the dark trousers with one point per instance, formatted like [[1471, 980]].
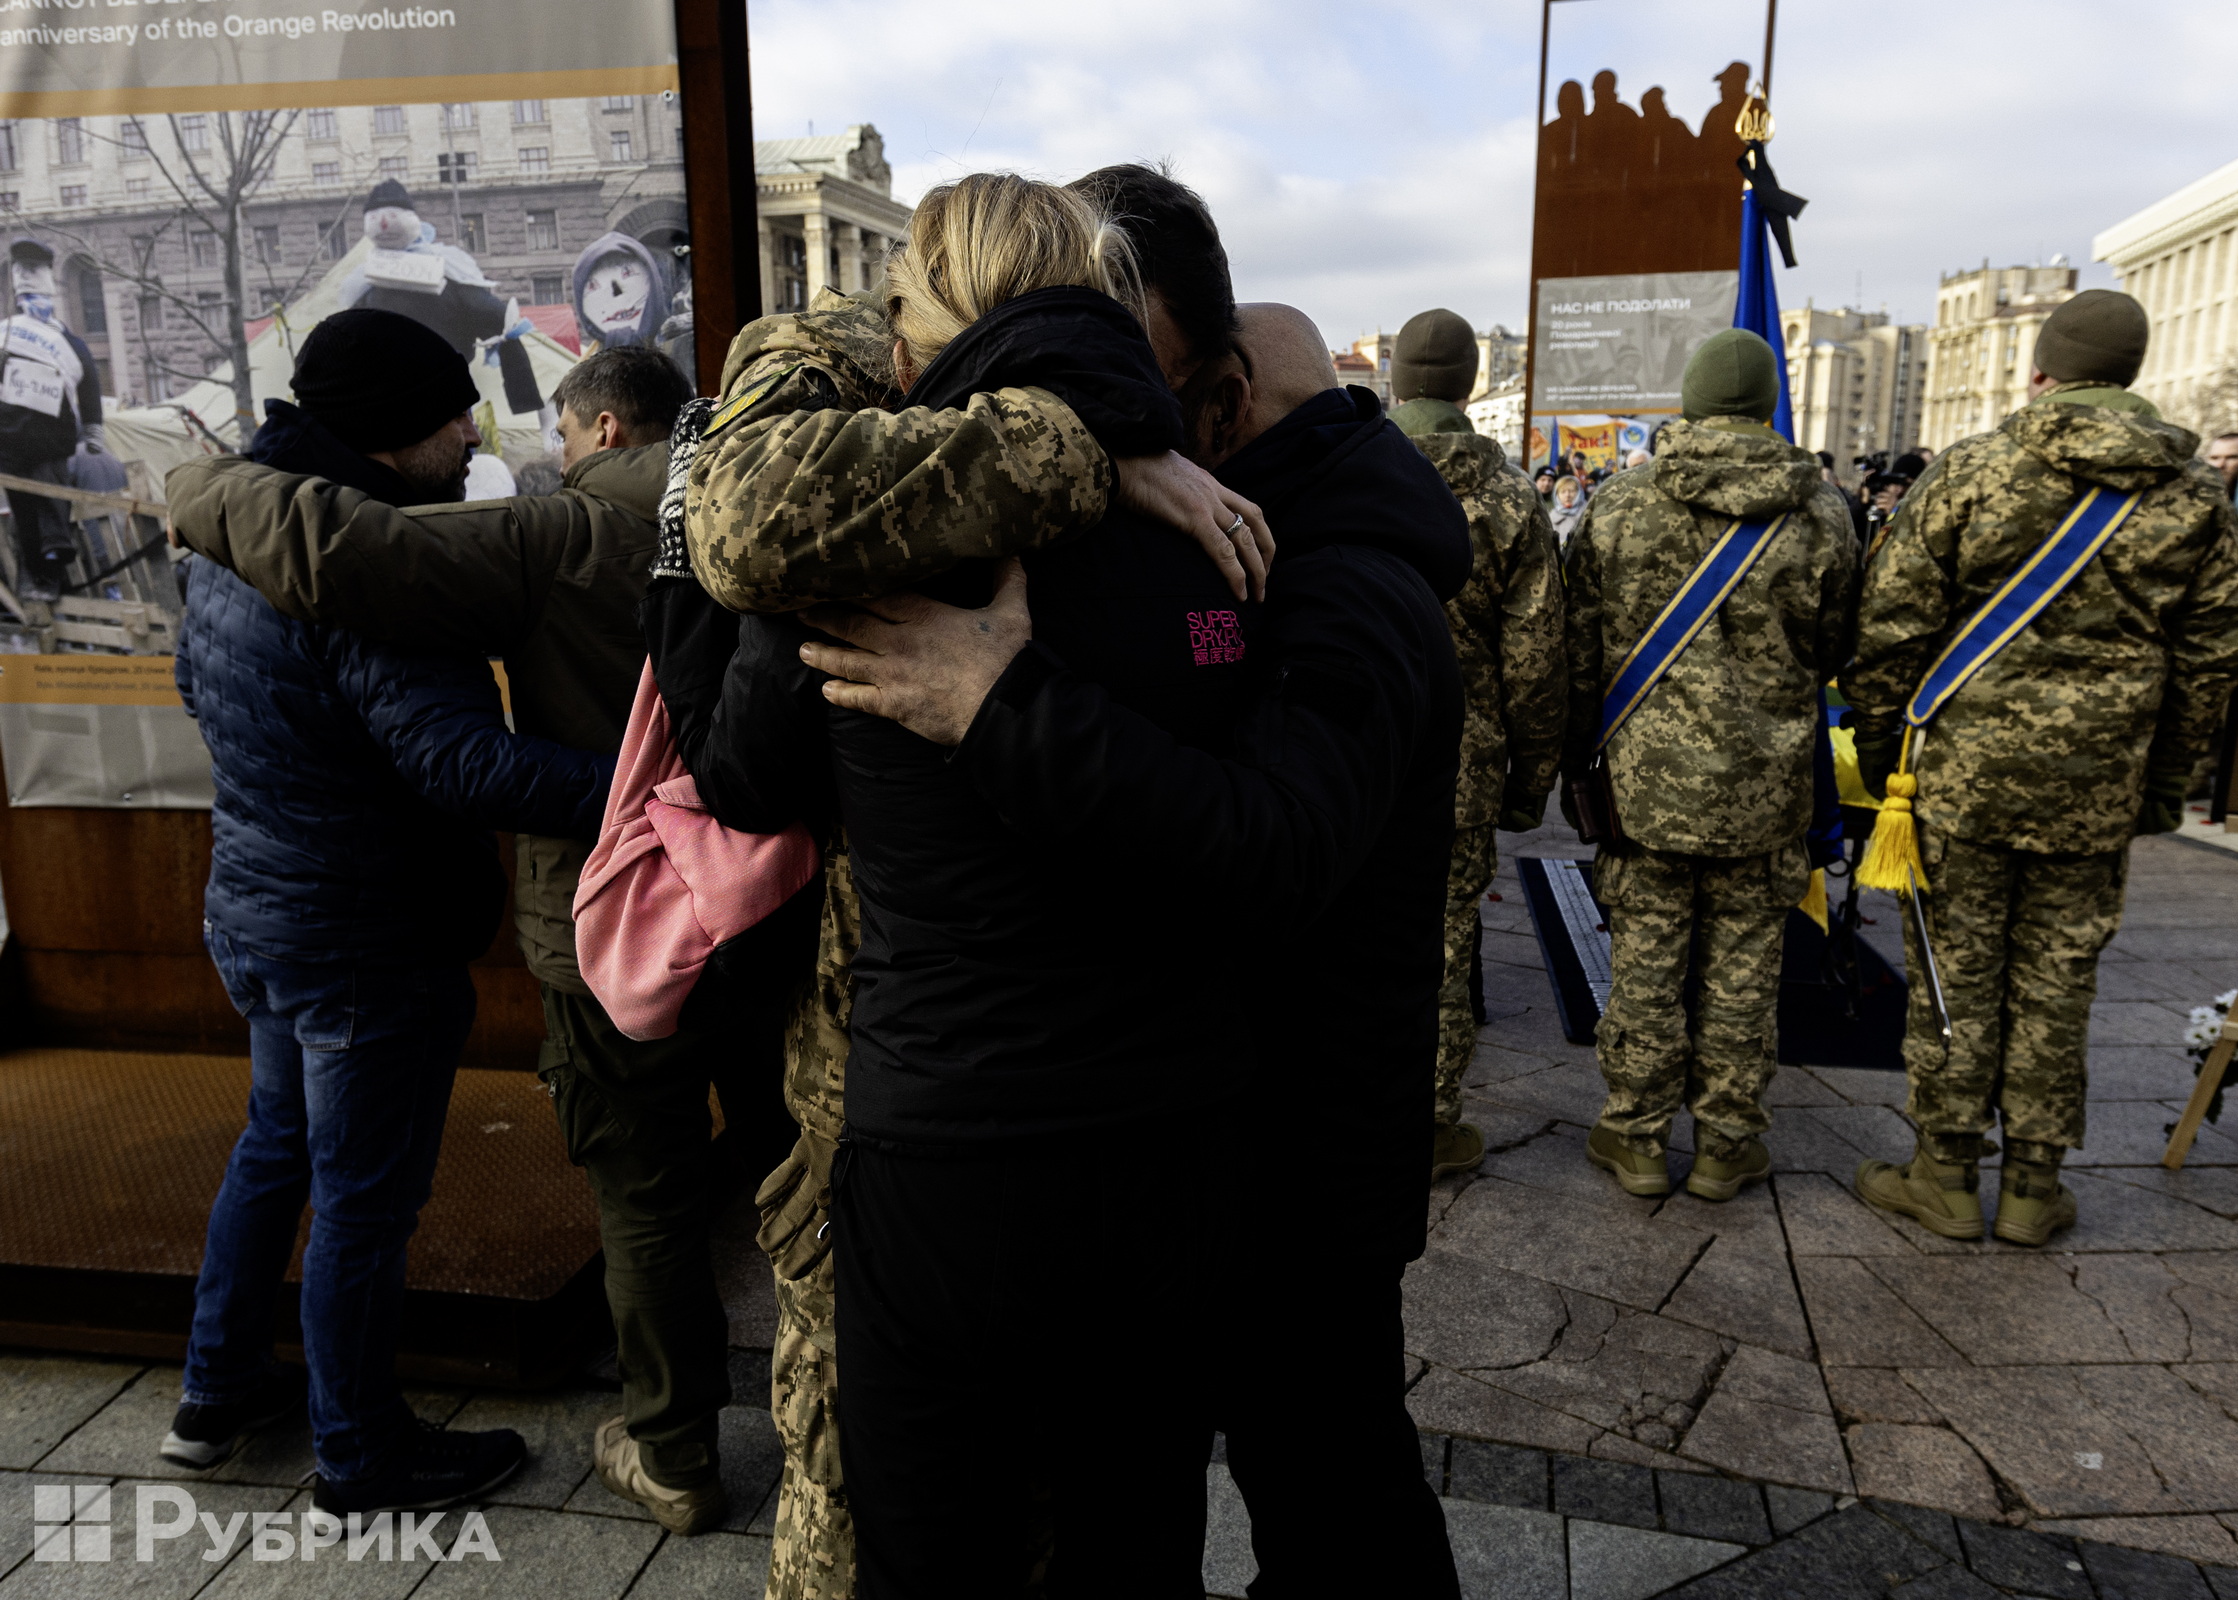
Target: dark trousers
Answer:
[[634, 1114], [349, 1086], [1024, 1360], [1319, 1439], [43, 542]]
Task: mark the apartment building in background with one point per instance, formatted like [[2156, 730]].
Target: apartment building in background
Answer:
[[1981, 348], [1856, 382], [2179, 256]]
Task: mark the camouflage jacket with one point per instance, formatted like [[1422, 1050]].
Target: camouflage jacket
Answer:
[[811, 487], [1717, 760], [1506, 621], [2047, 747]]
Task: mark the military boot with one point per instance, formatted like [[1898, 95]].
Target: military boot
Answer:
[[1941, 1196], [2032, 1204], [1714, 1178], [622, 1469], [1641, 1175], [1455, 1147]]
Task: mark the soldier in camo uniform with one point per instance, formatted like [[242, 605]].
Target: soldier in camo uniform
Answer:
[[2034, 776], [1507, 631], [1712, 773]]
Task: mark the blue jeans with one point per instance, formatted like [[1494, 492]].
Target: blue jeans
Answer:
[[350, 1080]]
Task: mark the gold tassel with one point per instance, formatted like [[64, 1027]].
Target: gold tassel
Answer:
[[1892, 859], [1813, 903]]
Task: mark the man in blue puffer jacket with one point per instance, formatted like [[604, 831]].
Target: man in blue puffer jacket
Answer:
[[353, 876]]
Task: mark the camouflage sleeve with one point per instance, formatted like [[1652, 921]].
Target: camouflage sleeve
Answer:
[[1533, 656], [1904, 609], [2203, 649], [1582, 633], [1838, 582], [809, 506]]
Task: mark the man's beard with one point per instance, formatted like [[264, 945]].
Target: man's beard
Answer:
[[436, 467]]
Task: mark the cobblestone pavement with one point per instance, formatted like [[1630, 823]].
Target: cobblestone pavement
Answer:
[[1784, 1395], [1795, 1338]]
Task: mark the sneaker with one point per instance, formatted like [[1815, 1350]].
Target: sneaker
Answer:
[[436, 1468], [1646, 1176], [2032, 1204], [621, 1467], [1456, 1147], [1713, 1179], [1944, 1197], [202, 1436]]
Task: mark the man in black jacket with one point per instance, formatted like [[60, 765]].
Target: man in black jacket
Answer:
[[1309, 845]]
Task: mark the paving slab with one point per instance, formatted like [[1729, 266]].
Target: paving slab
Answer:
[[707, 1566], [1498, 1474], [2142, 1575], [1743, 1286], [2138, 1294], [1861, 1323], [1803, 1140], [1229, 1565], [1877, 1394], [2067, 1438], [2217, 1380], [1771, 1443], [43, 1399], [1852, 1553], [1462, 1312], [1921, 1466], [1862, 1086], [1625, 1563], [17, 1505], [2030, 1561], [1543, 1235], [1710, 1507], [1604, 1491], [1793, 1508], [1823, 1218], [1798, 1086], [1641, 1375], [2202, 1539], [1757, 1374], [1502, 1553], [2134, 1133], [1572, 1090], [546, 1554], [2115, 1212], [2005, 1310], [2209, 1301], [1448, 1402], [2213, 1189]]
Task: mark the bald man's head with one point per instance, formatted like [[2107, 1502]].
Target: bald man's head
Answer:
[[1277, 365], [1290, 363]]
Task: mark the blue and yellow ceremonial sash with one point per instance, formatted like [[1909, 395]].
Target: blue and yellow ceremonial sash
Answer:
[[2042, 578], [1690, 610], [1892, 858]]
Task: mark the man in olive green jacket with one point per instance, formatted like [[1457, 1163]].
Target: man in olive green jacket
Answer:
[[2033, 777], [552, 584], [1712, 772], [1507, 632]]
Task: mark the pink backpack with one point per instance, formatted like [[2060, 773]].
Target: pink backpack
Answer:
[[667, 883]]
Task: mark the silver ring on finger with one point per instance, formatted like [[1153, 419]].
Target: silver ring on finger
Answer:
[[1230, 530]]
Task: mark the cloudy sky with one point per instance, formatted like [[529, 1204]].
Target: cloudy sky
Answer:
[[1369, 159]]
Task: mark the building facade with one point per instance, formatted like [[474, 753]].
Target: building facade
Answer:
[[828, 215], [1982, 347], [1499, 362], [2179, 257], [1856, 382]]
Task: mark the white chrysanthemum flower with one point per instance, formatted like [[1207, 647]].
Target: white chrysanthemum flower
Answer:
[[2225, 1000]]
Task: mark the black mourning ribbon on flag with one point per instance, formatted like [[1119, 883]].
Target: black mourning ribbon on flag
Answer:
[[1779, 207]]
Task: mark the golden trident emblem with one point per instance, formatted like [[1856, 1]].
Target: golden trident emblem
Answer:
[[1754, 124]]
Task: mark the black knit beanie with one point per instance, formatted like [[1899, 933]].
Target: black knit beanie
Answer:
[[2100, 335], [380, 381]]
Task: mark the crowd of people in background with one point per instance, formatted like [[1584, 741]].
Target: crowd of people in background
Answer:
[[1087, 1040]]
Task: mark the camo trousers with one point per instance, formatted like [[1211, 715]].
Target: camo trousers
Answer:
[[1723, 919], [812, 1550], [2017, 937], [1475, 858]]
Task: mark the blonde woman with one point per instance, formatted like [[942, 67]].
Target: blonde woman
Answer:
[[1040, 1050]]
